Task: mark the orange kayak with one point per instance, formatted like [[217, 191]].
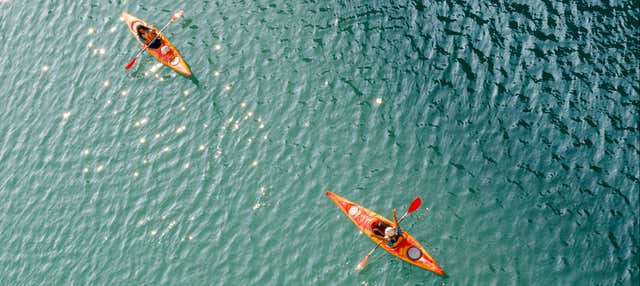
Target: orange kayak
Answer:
[[369, 222], [165, 53]]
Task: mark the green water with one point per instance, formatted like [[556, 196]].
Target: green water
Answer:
[[516, 122]]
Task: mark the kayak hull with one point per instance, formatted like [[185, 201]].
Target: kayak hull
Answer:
[[406, 248], [167, 54]]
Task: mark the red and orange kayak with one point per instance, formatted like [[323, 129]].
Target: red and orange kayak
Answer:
[[373, 224], [166, 53]]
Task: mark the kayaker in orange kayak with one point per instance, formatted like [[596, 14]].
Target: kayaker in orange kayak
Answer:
[[148, 36], [391, 233]]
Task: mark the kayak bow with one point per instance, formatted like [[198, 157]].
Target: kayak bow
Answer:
[[373, 224], [166, 53]]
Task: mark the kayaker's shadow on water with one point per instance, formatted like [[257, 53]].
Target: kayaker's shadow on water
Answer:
[[195, 80]]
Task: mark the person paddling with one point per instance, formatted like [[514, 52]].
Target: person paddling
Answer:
[[148, 37], [393, 233]]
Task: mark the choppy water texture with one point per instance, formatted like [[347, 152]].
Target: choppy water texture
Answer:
[[516, 122]]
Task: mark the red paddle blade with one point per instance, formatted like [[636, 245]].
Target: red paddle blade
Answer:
[[130, 64], [414, 205]]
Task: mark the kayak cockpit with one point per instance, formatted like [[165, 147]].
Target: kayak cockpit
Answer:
[[147, 36], [378, 227]]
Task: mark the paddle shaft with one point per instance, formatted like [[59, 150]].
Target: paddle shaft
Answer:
[[175, 17], [403, 217]]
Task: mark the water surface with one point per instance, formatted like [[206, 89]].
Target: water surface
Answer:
[[516, 122]]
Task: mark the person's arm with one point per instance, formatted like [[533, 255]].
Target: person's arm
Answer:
[[395, 218]]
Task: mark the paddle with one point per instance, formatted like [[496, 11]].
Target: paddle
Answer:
[[175, 17], [412, 207]]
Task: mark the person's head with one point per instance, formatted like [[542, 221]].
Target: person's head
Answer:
[[143, 31], [389, 231]]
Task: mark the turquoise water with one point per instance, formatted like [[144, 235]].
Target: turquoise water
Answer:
[[516, 122]]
